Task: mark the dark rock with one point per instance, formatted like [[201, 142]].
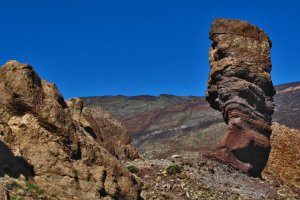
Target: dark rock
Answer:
[[240, 86]]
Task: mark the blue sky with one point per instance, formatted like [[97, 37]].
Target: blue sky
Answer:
[[94, 48]]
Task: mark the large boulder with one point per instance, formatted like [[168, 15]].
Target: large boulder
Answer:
[[284, 161], [240, 86], [41, 139]]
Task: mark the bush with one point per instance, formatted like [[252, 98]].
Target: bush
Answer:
[[133, 169], [173, 169]]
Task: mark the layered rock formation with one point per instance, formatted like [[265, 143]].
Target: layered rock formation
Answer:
[[53, 145], [240, 86]]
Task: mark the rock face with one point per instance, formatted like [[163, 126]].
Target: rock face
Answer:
[[284, 162], [240, 86], [103, 128], [51, 143]]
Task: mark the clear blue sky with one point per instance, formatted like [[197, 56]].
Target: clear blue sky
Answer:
[[91, 48]]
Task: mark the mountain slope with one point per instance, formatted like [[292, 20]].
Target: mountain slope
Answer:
[[287, 101], [158, 125]]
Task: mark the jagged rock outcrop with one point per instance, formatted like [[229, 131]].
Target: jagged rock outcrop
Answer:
[[103, 128], [284, 161], [50, 143], [240, 86]]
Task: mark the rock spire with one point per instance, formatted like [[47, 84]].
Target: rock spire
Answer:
[[240, 86]]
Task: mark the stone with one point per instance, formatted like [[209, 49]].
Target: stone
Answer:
[[240, 87], [110, 133], [284, 160], [158, 179], [45, 139]]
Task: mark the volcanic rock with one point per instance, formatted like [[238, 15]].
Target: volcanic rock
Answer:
[[52, 144], [110, 133], [284, 161], [103, 128], [240, 86]]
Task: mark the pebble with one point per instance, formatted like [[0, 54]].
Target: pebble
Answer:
[[175, 156], [158, 178], [167, 186], [188, 195], [22, 177], [21, 192]]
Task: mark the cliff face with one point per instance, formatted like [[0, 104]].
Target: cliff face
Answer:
[[52, 144], [240, 86]]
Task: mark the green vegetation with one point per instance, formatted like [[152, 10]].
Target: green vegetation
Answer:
[[13, 197], [173, 169], [33, 187], [133, 169]]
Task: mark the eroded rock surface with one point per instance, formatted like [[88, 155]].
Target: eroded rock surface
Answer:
[[52, 144], [240, 86], [284, 162], [103, 128]]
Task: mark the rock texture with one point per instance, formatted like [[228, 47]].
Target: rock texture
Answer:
[[203, 179], [103, 128], [284, 161], [53, 145], [240, 86]]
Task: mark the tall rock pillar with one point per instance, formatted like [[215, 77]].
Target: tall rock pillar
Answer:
[[240, 86]]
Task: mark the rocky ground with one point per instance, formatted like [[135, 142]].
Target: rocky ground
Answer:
[[21, 189], [202, 178]]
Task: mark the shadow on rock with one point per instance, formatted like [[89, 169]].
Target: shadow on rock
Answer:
[[12, 165]]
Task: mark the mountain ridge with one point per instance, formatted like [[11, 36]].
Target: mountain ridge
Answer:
[[165, 119], [280, 86]]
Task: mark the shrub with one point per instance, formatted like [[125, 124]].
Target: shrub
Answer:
[[33, 187], [173, 169], [133, 169], [13, 197]]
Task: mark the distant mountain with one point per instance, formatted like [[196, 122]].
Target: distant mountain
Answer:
[[287, 101], [158, 124]]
